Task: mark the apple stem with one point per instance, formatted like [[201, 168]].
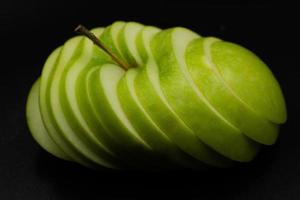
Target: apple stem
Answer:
[[84, 31]]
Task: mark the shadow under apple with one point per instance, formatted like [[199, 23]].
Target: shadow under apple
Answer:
[[72, 181]]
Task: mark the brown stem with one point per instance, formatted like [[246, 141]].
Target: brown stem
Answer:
[[84, 31]]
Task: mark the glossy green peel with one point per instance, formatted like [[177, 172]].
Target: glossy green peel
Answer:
[[186, 102]]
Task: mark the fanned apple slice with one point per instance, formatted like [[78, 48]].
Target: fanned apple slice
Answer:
[[151, 97], [36, 125], [127, 43], [110, 38], [210, 126], [143, 41], [212, 86], [153, 101], [250, 79], [71, 107], [114, 143], [167, 153], [56, 103], [68, 115], [102, 88], [88, 111], [47, 115]]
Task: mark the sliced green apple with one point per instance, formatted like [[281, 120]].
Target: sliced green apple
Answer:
[[155, 105], [153, 101], [88, 112], [102, 88], [143, 41], [166, 151], [168, 48], [36, 124], [212, 86], [110, 38], [46, 112], [56, 108], [70, 104], [127, 43], [250, 79], [189, 102], [98, 57]]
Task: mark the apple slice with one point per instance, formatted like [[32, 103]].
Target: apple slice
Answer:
[[246, 71], [88, 112], [110, 38], [70, 81], [143, 41], [85, 105], [46, 112], [127, 43], [153, 101], [61, 115], [166, 151], [155, 105], [211, 84], [168, 48], [36, 125], [102, 87], [63, 92]]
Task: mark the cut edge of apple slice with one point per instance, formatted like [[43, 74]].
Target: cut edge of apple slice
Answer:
[[70, 81], [130, 33], [84, 100], [179, 48], [166, 146], [197, 149], [129, 80], [143, 41], [126, 145], [36, 125], [115, 30], [93, 109], [110, 75], [59, 115], [176, 39], [160, 145], [109, 38], [46, 112]]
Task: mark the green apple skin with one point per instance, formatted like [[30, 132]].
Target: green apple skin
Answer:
[[250, 79], [208, 80], [188, 102], [150, 95]]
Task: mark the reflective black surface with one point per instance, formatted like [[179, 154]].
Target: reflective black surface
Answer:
[[30, 30]]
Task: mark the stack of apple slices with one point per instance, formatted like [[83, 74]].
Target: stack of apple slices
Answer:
[[185, 101]]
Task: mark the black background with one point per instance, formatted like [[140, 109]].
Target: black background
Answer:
[[30, 30]]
